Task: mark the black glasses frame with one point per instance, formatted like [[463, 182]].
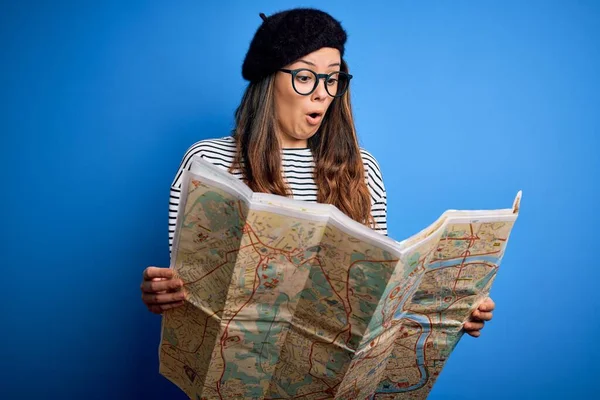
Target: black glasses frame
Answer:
[[327, 77]]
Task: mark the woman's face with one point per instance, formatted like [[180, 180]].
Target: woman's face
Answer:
[[298, 116]]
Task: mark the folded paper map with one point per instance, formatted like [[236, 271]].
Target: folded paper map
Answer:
[[287, 299]]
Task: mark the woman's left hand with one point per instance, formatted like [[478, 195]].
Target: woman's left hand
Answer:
[[478, 318]]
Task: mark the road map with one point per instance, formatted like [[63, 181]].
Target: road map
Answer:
[[290, 300]]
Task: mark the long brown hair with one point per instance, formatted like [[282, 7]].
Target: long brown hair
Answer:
[[339, 172]]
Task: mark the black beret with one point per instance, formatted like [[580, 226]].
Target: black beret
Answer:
[[287, 36]]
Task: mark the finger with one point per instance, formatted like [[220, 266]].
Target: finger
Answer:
[[482, 316], [156, 272], [155, 309], [474, 333], [487, 305], [170, 306], [158, 309], [155, 286], [162, 298], [473, 326], [178, 287]]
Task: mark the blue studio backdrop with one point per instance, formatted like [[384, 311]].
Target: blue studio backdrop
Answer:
[[463, 103]]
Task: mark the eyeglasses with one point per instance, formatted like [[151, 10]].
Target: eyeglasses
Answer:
[[305, 81]]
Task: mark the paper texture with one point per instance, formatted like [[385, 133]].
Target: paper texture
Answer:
[[294, 300]]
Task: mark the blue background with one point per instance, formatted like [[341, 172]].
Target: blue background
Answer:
[[462, 102]]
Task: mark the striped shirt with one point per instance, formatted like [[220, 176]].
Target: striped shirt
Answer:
[[298, 166]]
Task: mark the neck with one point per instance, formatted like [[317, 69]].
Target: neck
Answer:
[[298, 144]]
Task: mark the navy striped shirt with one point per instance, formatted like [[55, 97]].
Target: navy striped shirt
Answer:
[[298, 166]]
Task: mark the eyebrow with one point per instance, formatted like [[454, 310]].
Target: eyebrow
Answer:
[[309, 63]]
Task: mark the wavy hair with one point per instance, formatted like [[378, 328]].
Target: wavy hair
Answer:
[[339, 171]]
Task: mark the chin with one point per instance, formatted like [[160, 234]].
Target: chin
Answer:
[[309, 135], [312, 132], [304, 135]]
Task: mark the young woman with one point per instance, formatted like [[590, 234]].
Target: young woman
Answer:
[[294, 136]]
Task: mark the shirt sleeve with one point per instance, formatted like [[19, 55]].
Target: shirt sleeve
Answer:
[[175, 191], [378, 193], [379, 211]]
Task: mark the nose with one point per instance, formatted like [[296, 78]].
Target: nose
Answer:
[[320, 92]]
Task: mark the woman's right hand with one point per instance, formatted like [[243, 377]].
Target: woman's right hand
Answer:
[[161, 291]]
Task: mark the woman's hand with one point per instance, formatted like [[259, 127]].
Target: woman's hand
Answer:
[[478, 317], [160, 290]]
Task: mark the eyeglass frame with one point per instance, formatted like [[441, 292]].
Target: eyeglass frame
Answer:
[[294, 72]]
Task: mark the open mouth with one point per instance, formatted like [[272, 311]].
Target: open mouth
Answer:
[[314, 118]]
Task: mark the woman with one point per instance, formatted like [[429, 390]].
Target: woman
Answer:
[[294, 136]]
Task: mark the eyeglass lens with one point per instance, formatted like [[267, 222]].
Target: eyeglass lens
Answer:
[[305, 82]]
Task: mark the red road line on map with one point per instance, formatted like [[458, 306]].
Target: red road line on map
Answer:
[[308, 394], [203, 335], [457, 300], [487, 264], [467, 253], [305, 394], [400, 297], [460, 238], [317, 259], [215, 268], [459, 257], [460, 269], [348, 275], [404, 346], [247, 226], [470, 238], [394, 342], [369, 356], [177, 359], [334, 291], [254, 240], [224, 336], [421, 261], [311, 351]]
